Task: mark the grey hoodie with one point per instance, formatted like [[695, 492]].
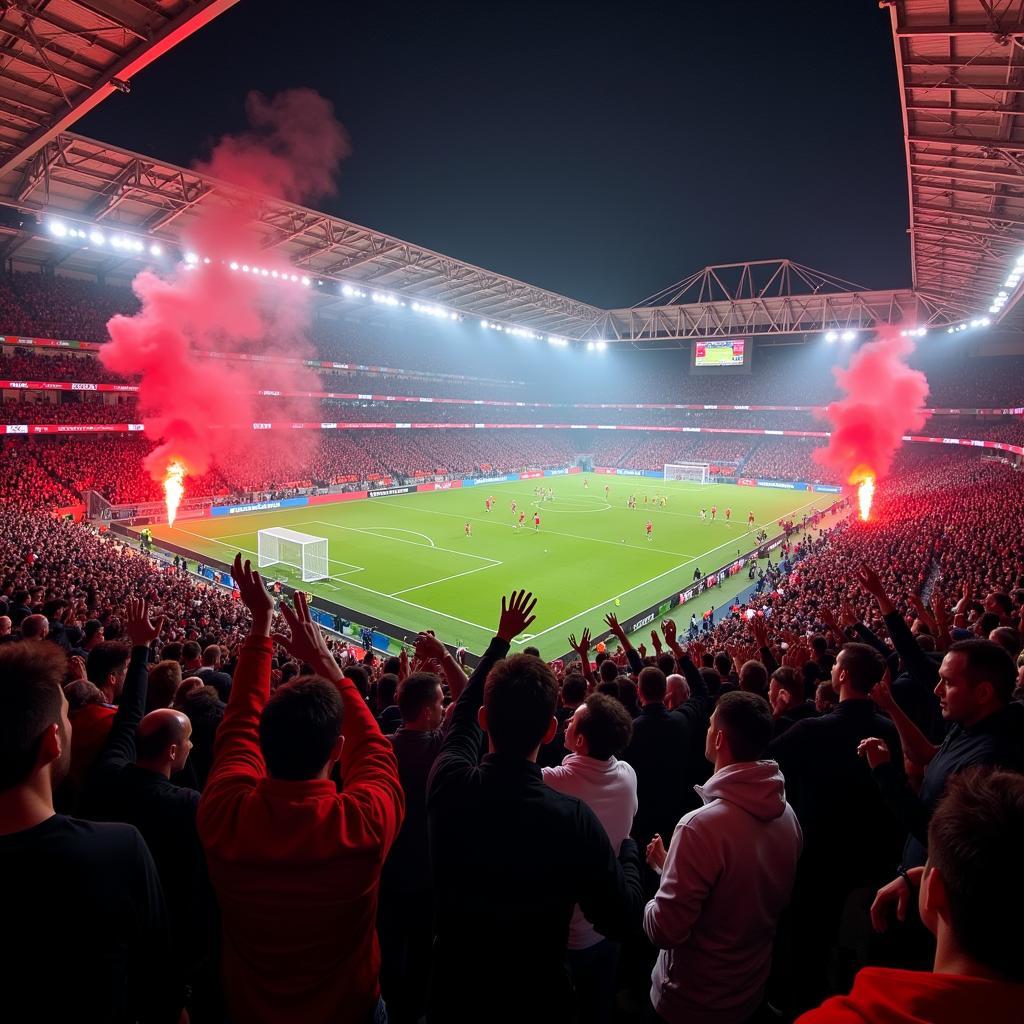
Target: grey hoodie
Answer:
[[727, 878]]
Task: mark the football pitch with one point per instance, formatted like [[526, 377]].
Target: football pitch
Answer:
[[407, 558]]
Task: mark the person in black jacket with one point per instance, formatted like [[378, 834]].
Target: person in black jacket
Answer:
[[91, 888], [130, 782], [510, 856], [850, 834]]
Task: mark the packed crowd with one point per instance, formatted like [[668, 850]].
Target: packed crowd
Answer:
[[220, 815]]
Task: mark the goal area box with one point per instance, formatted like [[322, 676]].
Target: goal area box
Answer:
[[300, 551]]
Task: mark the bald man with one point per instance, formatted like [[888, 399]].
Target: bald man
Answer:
[[131, 782], [34, 627], [5, 628]]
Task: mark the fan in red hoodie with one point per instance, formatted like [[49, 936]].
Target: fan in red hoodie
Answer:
[[296, 863], [970, 901]]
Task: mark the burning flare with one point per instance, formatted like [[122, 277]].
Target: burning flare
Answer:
[[174, 489], [865, 495]]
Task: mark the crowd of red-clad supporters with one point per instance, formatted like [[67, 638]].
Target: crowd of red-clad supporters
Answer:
[[817, 799], [812, 810]]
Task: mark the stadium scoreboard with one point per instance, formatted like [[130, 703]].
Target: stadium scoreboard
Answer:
[[718, 353]]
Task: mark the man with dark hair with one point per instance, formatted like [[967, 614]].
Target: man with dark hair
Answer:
[[598, 730], [608, 671], [211, 672], [726, 877], [294, 861], [404, 918], [975, 845], [753, 678], [93, 885], [976, 682], [390, 715], [535, 651], [851, 836], [510, 857], [786, 697], [130, 781], [191, 658], [106, 666]]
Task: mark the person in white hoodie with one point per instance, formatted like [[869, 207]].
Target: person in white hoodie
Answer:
[[726, 878], [599, 729]]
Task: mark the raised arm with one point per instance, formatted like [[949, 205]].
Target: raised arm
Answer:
[[636, 663], [430, 649], [460, 751], [686, 664], [236, 752], [583, 650], [369, 769], [119, 748]]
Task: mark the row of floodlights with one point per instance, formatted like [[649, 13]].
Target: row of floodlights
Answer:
[[351, 291], [967, 324], [1010, 283], [914, 332], [122, 243], [833, 336]]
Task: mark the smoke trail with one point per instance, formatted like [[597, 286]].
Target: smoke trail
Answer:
[[884, 399], [196, 407]]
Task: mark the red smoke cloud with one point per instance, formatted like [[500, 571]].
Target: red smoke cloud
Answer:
[[884, 399], [196, 407]]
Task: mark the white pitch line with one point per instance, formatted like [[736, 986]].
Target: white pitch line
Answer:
[[682, 565], [444, 579], [349, 583], [451, 551]]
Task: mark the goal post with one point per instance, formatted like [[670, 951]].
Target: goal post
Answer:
[[301, 551], [695, 472]]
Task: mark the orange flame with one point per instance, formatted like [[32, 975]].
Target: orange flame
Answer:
[[865, 495], [174, 489]]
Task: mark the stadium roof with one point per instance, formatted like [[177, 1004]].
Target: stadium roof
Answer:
[[60, 58], [961, 72]]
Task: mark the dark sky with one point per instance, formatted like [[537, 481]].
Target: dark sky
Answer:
[[603, 151]]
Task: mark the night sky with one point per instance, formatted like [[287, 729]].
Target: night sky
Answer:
[[602, 151]]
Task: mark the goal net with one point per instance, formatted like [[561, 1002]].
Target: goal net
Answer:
[[696, 472], [302, 551]]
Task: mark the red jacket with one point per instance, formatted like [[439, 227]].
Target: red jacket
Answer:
[[884, 996], [296, 865]]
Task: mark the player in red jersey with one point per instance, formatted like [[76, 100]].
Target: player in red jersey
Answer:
[[469, 529], [714, 512], [536, 521], [514, 508], [650, 530], [522, 520], [728, 514], [487, 504], [750, 519]]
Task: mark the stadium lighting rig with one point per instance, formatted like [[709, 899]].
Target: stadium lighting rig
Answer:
[[77, 234], [833, 336]]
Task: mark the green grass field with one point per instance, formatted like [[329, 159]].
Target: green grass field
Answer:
[[406, 558]]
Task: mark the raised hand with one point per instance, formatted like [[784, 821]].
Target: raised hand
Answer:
[[642, 648], [881, 692], [874, 751], [696, 650], [896, 894], [656, 642], [137, 624], [306, 642], [429, 649], [582, 648], [253, 595], [613, 624], [847, 616], [403, 664], [759, 630], [656, 853], [669, 631], [516, 614]]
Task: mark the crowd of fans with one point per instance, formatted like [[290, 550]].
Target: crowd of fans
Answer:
[[812, 810]]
